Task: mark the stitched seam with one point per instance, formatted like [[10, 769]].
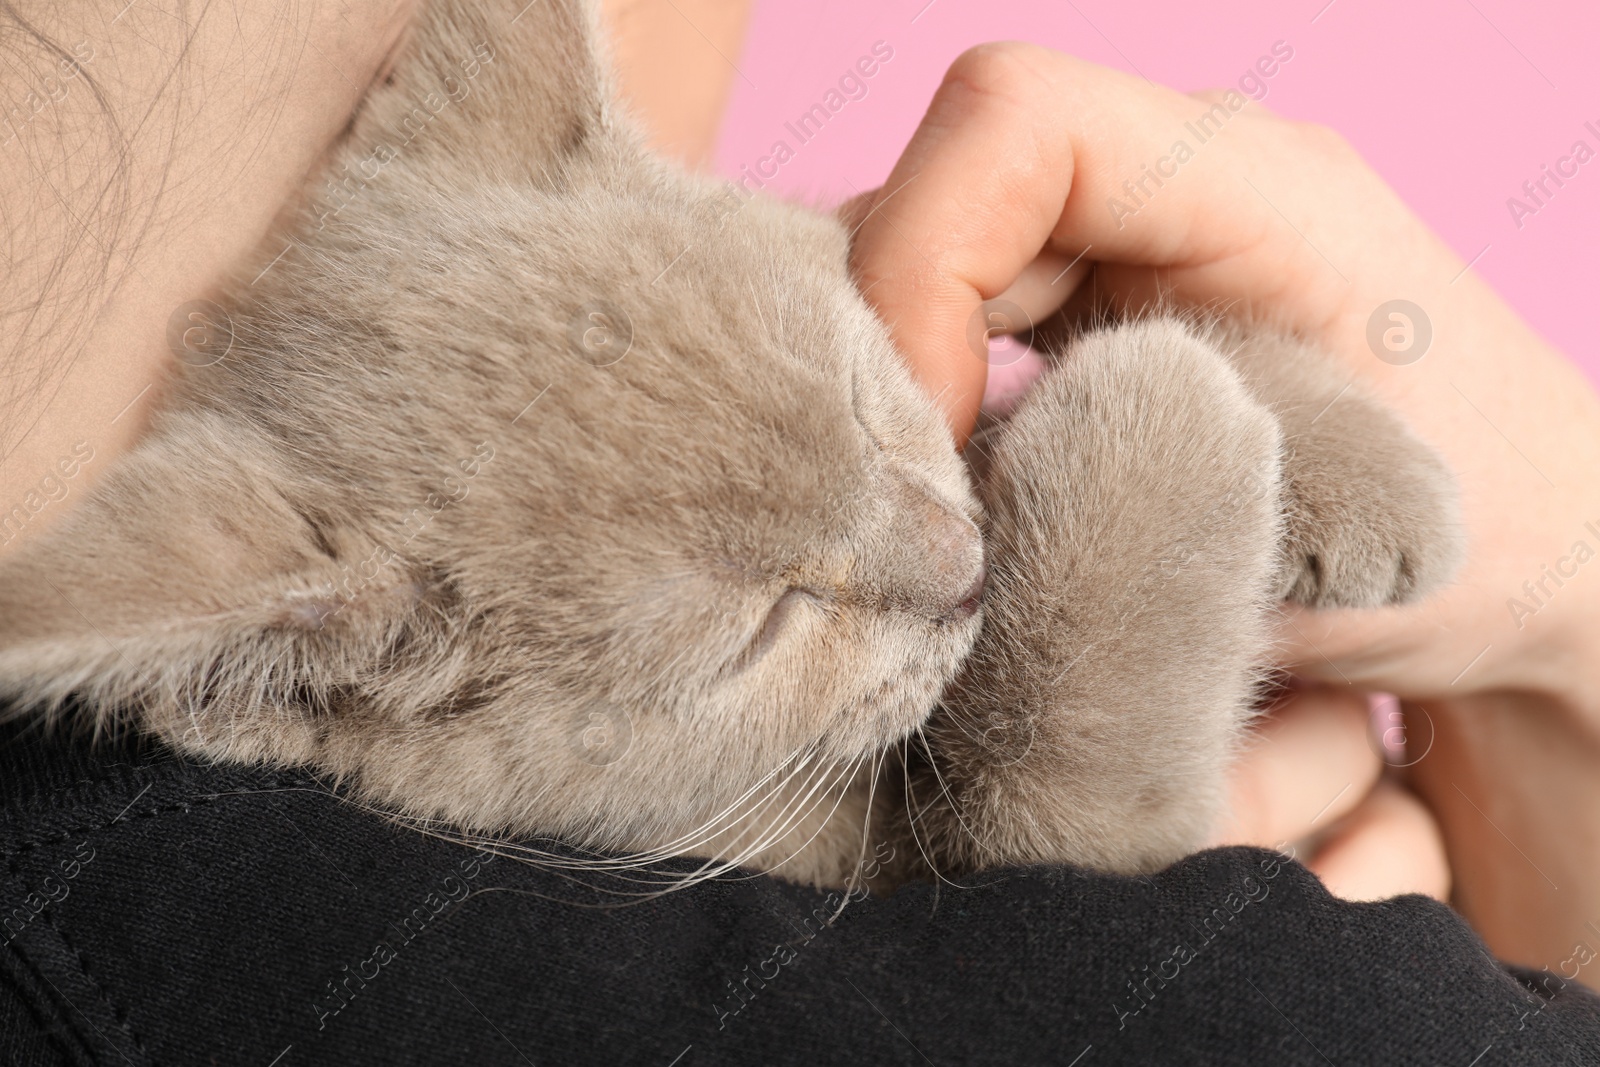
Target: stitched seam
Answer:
[[55, 1029], [117, 1013], [13, 869], [63, 836], [68, 834]]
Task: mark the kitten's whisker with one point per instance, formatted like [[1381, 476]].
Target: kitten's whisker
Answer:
[[616, 865], [716, 865], [718, 824], [787, 796], [841, 782], [955, 809], [786, 813], [866, 818], [640, 864], [713, 826], [815, 782], [912, 817], [966, 721]]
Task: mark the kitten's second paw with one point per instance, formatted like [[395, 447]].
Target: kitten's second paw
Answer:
[[1373, 512]]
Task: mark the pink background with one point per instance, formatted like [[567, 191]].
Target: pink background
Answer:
[[1455, 102]]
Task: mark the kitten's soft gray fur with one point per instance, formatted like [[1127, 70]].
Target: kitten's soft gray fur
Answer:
[[423, 530]]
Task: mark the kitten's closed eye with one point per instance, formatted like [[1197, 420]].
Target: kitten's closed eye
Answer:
[[779, 619]]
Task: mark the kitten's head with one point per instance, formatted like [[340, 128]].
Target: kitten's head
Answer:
[[543, 486]]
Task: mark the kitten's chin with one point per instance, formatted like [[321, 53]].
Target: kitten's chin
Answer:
[[902, 699]]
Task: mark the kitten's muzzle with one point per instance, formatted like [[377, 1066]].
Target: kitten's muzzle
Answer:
[[930, 561]]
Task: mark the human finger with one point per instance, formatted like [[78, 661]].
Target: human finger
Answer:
[[1389, 845], [1307, 764]]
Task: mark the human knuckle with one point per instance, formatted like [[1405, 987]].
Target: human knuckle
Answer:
[[1003, 69]]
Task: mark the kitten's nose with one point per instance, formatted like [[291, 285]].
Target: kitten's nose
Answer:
[[931, 559], [969, 603]]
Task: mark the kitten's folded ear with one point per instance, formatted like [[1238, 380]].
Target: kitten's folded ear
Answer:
[[509, 84], [189, 580]]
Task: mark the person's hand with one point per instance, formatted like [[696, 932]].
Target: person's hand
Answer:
[[1311, 784], [1020, 168]]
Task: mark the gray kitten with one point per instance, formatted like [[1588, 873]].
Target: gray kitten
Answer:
[[541, 488]]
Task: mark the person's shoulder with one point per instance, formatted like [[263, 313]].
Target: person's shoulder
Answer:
[[158, 910]]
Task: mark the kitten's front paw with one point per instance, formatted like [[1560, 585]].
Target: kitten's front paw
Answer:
[[1373, 512]]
